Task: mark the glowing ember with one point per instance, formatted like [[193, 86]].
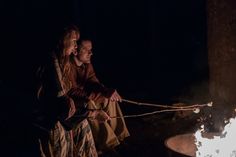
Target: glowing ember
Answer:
[[223, 145]]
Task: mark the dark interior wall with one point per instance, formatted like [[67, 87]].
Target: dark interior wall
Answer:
[[28, 29], [153, 50]]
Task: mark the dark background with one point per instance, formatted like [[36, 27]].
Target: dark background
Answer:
[[153, 50], [150, 51]]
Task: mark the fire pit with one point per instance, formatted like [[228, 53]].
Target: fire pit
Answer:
[[184, 145], [181, 145]]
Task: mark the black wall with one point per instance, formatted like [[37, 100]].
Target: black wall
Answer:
[[152, 50]]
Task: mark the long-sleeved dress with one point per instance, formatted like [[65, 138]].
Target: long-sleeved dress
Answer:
[[55, 139]]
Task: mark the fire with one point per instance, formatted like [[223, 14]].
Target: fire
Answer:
[[222, 145]]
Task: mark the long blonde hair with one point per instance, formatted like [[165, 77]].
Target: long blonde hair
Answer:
[[63, 59]]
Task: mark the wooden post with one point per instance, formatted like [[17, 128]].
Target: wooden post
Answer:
[[221, 22]]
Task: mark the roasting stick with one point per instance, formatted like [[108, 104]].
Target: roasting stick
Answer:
[[167, 106], [194, 108]]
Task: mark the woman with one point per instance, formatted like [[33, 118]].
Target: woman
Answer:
[[57, 107]]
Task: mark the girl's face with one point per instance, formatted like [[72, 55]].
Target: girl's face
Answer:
[[70, 44]]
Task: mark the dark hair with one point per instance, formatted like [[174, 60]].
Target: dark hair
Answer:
[[79, 43]]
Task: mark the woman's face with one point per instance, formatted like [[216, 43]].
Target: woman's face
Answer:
[[85, 52], [70, 43]]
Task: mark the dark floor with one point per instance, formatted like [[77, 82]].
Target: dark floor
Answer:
[[148, 135]]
